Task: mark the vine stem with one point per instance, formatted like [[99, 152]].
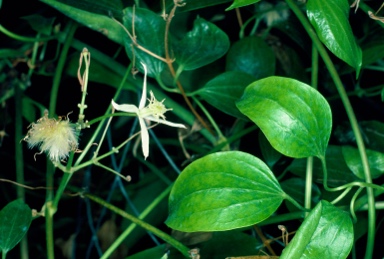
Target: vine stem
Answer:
[[172, 70], [164, 236], [50, 210], [352, 118]]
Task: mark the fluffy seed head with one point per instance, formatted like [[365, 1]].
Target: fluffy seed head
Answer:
[[55, 137]]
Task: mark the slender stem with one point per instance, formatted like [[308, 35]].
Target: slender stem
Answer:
[[164, 236], [352, 118], [309, 170], [72, 26], [19, 158], [22, 38], [173, 73], [132, 226]]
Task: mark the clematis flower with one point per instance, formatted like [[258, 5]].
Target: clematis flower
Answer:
[[154, 111]]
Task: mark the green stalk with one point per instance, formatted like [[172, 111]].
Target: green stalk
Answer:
[[131, 227], [50, 210], [19, 158], [164, 236], [352, 118], [309, 169]]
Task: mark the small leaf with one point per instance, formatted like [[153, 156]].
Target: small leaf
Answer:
[[15, 220], [353, 160], [201, 46], [149, 32], [40, 23], [271, 156], [224, 90], [338, 171], [98, 22], [28, 110], [327, 232], [241, 3], [223, 191], [295, 118], [253, 56], [330, 20]]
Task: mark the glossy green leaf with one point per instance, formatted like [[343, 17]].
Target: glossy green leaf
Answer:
[[15, 220], [201, 46], [149, 31], [353, 160], [241, 3], [194, 4], [98, 22], [224, 90], [253, 56], [223, 191], [327, 232], [330, 21], [270, 155], [295, 118], [338, 171]]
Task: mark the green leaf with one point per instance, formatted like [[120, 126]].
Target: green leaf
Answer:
[[224, 90], [98, 22], [253, 56], [149, 32], [295, 118], [353, 160], [194, 4], [241, 3], [374, 134], [29, 112], [338, 171], [40, 23], [201, 46], [223, 191], [327, 232], [330, 20], [270, 155], [15, 220]]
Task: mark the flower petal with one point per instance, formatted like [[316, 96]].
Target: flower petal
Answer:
[[125, 107], [144, 138], [144, 95], [176, 125]]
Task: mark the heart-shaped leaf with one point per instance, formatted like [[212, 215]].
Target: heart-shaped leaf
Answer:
[[253, 56], [149, 31], [201, 46], [295, 118], [15, 219], [353, 160], [327, 232], [224, 90], [330, 20], [223, 191]]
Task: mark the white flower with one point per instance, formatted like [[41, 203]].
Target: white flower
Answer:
[[154, 111]]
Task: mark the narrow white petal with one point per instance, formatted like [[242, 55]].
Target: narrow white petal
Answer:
[[144, 94], [176, 125], [144, 138], [125, 107]]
